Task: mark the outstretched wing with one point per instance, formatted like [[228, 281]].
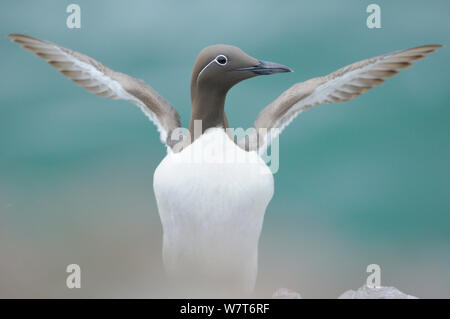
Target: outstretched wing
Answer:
[[339, 86], [97, 78]]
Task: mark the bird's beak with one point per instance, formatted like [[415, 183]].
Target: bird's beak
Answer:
[[264, 68]]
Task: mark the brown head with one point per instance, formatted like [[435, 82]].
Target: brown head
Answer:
[[216, 70]]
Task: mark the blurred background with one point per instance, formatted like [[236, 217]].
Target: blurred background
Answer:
[[362, 182]]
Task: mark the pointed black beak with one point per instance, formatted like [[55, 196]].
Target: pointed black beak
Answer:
[[265, 68]]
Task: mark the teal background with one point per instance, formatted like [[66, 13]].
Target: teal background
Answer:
[[362, 182]]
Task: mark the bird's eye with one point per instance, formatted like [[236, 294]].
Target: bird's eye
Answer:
[[221, 59]]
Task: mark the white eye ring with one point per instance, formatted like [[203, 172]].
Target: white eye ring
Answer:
[[221, 60]]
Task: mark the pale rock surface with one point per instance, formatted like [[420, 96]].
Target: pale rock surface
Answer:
[[366, 292], [285, 293]]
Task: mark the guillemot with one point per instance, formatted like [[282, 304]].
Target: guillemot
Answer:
[[212, 211]]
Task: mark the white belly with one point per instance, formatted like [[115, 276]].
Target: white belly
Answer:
[[212, 206]]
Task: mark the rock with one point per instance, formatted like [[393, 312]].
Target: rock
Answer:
[[366, 292], [285, 293]]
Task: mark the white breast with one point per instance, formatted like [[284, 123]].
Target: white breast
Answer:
[[211, 198]]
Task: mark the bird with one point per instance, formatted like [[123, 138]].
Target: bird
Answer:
[[212, 188]]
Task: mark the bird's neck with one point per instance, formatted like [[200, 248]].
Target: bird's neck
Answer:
[[208, 105]]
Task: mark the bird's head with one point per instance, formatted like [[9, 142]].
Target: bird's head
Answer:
[[219, 67]]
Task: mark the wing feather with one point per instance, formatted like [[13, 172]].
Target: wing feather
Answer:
[[98, 79], [340, 86]]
